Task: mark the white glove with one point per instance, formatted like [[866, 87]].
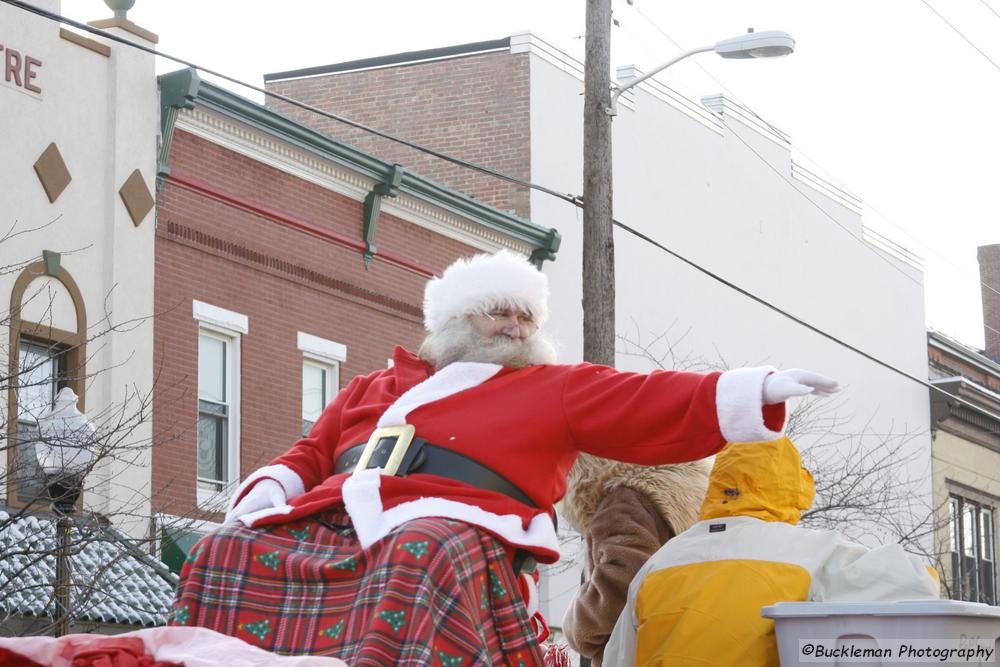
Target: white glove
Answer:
[[782, 385], [265, 494]]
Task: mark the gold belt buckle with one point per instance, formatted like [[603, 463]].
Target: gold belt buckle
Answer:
[[403, 436]]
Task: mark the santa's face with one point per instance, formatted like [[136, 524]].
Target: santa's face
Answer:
[[514, 323], [508, 337]]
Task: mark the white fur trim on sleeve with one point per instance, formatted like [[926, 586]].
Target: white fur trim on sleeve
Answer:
[[739, 402], [363, 503], [282, 474]]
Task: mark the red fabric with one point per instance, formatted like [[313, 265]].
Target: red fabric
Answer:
[[556, 655], [436, 592], [112, 652], [774, 416], [661, 417], [94, 651], [9, 658]]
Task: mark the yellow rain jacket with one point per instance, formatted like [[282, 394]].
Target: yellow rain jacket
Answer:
[[697, 601]]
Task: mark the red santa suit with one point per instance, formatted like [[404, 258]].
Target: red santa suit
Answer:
[[527, 425], [371, 567]]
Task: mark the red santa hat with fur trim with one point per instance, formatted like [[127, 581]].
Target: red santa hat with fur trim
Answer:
[[483, 283]]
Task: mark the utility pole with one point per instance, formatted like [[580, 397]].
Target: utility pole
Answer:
[[598, 238]]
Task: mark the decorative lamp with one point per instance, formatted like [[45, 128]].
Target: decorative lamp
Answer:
[[65, 450]]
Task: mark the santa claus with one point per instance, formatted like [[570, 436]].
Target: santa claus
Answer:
[[395, 533]]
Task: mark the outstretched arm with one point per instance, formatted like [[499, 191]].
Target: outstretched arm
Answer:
[[671, 417], [666, 416]]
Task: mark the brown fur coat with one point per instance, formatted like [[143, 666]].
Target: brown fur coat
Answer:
[[625, 512]]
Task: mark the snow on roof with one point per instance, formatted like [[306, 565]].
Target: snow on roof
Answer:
[[112, 582]]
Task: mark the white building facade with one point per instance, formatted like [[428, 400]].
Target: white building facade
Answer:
[[79, 125], [719, 187]]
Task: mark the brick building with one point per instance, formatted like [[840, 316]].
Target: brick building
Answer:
[[989, 275], [205, 274], [470, 101], [966, 447], [286, 263]]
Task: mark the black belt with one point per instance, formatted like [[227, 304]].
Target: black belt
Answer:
[[425, 458]]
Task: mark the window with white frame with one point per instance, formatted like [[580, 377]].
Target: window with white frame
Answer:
[[321, 359], [973, 547], [218, 441]]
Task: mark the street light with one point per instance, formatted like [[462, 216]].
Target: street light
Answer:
[[767, 44], [65, 451], [600, 107]]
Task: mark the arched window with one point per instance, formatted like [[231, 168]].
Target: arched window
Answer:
[[48, 324]]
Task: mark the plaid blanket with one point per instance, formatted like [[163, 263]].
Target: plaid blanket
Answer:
[[434, 592]]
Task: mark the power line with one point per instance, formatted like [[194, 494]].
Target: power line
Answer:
[[987, 5], [302, 105], [757, 116], [802, 194], [932, 251], [961, 34], [835, 221], [819, 208], [575, 200], [802, 322], [984, 55]]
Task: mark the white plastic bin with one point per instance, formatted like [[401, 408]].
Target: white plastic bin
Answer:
[[875, 628]]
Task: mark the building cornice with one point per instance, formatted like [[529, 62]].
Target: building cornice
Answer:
[[973, 392], [846, 199], [888, 246], [252, 129], [85, 42], [690, 108], [394, 60], [963, 353], [710, 112], [725, 107], [526, 42], [239, 138], [978, 424], [126, 25]]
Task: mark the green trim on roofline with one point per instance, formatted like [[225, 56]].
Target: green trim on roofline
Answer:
[[176, 93], [372, 208], [183, 89]]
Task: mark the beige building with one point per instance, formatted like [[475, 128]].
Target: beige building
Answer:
[[966, 449], [79, 119], [79, 127]]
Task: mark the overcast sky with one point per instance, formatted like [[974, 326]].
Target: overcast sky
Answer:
[[882, 97]]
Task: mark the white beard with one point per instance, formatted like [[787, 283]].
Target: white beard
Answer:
[[458, 340]]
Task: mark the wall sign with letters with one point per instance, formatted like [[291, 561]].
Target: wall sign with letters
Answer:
[[19, 69]]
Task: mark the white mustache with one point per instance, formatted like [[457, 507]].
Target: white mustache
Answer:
[[458, 340]]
